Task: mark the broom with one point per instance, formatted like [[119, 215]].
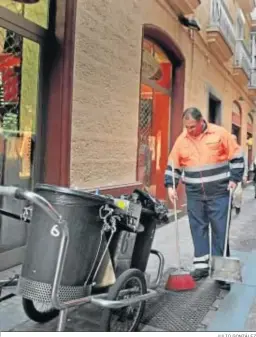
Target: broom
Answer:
[[179, 280]]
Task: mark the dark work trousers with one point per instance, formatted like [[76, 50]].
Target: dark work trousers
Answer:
[[201, 214]]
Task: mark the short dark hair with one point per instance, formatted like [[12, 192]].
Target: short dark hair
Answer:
[[193, 113]]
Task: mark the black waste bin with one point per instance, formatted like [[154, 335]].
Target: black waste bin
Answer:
[[121, 250], [144, 240], [81, 211]]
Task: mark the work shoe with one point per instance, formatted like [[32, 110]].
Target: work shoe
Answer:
[[224, 285], [198, 274]]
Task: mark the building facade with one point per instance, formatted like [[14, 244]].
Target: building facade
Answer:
[[123, 130], [92, 91]]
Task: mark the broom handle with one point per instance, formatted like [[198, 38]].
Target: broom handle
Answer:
[[228, 223], [176, 219], [210, 246]]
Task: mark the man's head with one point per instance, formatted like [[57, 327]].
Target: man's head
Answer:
[[193, 121]]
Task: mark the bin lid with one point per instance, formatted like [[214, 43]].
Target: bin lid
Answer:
[[73, 192]]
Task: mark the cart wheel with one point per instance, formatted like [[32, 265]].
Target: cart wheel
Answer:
[[39, 312], [125, 319]]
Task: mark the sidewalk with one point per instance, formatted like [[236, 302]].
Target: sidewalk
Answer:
[[238, 309], [177, 311]]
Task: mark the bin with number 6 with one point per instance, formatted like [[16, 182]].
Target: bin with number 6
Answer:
[[81, 212]]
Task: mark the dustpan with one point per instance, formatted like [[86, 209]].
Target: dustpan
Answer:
[[227, 269]]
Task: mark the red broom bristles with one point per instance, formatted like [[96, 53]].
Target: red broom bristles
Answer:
[[180, 282]]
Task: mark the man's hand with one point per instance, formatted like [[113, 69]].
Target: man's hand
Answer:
[[232, 185], [172, 194], [245, 180]]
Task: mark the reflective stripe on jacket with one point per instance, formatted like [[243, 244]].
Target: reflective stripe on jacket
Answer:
[[208, 162]]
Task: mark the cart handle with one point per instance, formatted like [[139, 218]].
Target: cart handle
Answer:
[[18, 193]]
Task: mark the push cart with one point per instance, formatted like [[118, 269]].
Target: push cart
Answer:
[[84, 248]]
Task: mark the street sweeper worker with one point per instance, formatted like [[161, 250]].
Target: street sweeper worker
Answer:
[[212, 164], [238, 192]]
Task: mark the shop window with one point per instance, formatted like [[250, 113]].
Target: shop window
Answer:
[[37, 13], [154, 117], [19, 69]]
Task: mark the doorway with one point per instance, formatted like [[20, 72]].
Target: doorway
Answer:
[[236, 131], [250, 153], [250, 138], [154, 118], [214, 110]]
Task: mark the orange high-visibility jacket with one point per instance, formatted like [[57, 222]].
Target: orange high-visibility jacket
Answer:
[[208, 162]]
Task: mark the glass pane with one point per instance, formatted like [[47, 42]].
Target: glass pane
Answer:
[[19, 69], [153, 139], [12, 6], [160, 133], [19, 79], [37, 13], [29, 101], [156, 65]]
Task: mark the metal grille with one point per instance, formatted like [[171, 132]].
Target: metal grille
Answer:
[[145, 129], [41, 292], [220, 18], [181, 311]]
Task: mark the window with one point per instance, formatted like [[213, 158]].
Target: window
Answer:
[[240, 25], [19, 69], [37, 13], [236, 121], [214, 110]]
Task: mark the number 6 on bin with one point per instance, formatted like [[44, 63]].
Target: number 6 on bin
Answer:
[[55, 231]]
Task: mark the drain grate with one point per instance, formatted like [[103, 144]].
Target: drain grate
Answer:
[[173, 311]]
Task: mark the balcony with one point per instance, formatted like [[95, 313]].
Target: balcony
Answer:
[[246, 5], [184, 6], [252, 84], [242, 63], [220, 33]]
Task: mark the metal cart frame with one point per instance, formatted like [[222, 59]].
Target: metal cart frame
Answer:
[[61, 229]]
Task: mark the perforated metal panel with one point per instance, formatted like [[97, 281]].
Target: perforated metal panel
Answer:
[[41, 292]]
